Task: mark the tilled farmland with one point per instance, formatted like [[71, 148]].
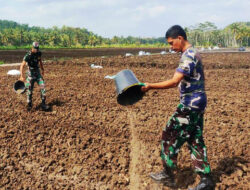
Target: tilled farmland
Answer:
[[88, 141]]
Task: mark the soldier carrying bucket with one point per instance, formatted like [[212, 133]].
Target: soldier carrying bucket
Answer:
[[34, 62], [186, 124]]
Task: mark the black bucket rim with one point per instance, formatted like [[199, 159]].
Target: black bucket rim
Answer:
[[136, 84], [23, 89]]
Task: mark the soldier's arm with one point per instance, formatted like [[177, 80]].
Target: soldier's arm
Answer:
[[176, 79], [22, 78]]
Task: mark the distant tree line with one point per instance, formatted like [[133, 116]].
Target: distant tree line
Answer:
[[203, 34], [14, 34], [207, 34]]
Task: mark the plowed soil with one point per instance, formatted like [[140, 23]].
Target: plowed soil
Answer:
[[88, 141]]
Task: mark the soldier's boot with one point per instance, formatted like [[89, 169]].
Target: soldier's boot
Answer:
[[206, 183], [44, 106], [165, 176], [29, 106]]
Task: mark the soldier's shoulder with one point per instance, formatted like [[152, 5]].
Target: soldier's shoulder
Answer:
[[192, 51], [27, 55], [189, 54]]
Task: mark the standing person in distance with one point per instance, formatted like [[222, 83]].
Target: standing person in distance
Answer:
[[186, 124]]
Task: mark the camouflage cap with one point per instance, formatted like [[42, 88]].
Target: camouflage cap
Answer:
[[35, 45]]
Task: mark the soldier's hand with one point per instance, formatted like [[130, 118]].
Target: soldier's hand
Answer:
[[22, 78], [145, 88]]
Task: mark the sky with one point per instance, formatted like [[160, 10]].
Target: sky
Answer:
[[138, 18]]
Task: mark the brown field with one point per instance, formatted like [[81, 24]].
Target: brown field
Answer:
[[88, 141]]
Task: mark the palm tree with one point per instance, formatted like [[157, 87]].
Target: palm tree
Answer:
[[235, 28]]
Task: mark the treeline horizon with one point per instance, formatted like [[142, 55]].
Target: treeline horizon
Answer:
[[15, 35]]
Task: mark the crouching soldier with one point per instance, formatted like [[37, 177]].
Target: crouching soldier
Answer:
[[34, 62]]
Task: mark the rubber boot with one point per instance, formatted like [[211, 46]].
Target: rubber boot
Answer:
[[44, 106], [206, 183], [165, 176]]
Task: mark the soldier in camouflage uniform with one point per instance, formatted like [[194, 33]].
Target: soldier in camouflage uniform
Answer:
[[34, 62], [186, 124]]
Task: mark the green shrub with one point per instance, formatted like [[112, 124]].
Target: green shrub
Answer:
[[1, 62]]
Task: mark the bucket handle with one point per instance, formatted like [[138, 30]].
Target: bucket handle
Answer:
[[141, 84]]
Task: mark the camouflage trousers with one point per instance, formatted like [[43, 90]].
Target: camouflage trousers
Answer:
[[30, 81], [185, 125]]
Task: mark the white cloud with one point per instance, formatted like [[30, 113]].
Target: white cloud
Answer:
[[144, 12], [156, 11]]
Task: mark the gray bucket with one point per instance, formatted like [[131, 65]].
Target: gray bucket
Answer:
[[19, 87], [128, 88]]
